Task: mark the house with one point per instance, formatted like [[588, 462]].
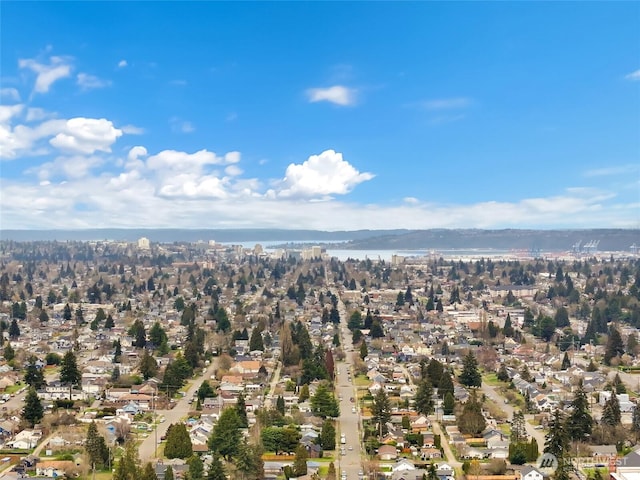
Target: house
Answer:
[[445, 472], [627, 467], [25, 440], [387, 452], [54, 468], [420, 424], [530, 473]]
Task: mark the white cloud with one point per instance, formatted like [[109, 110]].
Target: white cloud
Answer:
[[233, 171], [122, 63], [35, 114], [232, 157], [90, 82], [320, 176], [9, 94], [136, 152], [86, 135], [133, 199], [447, 103], [633, 75], [337, 94], [7, 112], [174, 161], [132, 130], [73, 167], [47, 75]]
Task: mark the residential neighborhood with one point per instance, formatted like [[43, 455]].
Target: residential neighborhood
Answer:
[[208, 360]]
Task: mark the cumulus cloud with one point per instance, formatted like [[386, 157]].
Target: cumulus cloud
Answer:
[[136, 152], [90, 82], [9, 94], [175, 161], [122, 63], [47, 75], [73, 167], [337, 94], [233, 171], [86, 135], [633, 75], [320, 176]]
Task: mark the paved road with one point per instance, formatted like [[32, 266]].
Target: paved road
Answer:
[[448, 453], [176, 414], [349, 421], [492, 394]]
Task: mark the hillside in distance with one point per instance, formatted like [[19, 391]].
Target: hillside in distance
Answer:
[[545, 240]]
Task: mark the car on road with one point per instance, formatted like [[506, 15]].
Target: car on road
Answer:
[[353, 409], [350, 447]]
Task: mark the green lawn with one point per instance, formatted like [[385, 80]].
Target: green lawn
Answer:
[[491, 379], [362, 381]]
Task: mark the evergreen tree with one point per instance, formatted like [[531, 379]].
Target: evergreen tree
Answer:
[[424, 398], [507, 330], [611, 416], [323, 403], [148, 472], [216, 470], [96, 447], [205, 390], [364, 351], [280, 404], [168, 473], [579, 423], [300, 461], [32, 411], [328, 436], [518, 429], [148, 365], [117, 351], [225, 437], [446, 384], [566, 363], [381, 411], [503, 374], [256, 343], [448, 404], [615, 345], [157, 335], [196, 468], [241, 408], [33, 374], [69, 372], [304, 393], [127, 468], [14, 329], [470, 375], [9, 353], [178, 443], [109, 323], [376, 330], [557, 439], [472, 421]]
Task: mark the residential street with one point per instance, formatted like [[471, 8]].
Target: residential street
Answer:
[[349, 422], [492, 394], [179, 412]]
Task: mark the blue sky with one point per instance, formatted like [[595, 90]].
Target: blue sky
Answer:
[[325, 115]]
